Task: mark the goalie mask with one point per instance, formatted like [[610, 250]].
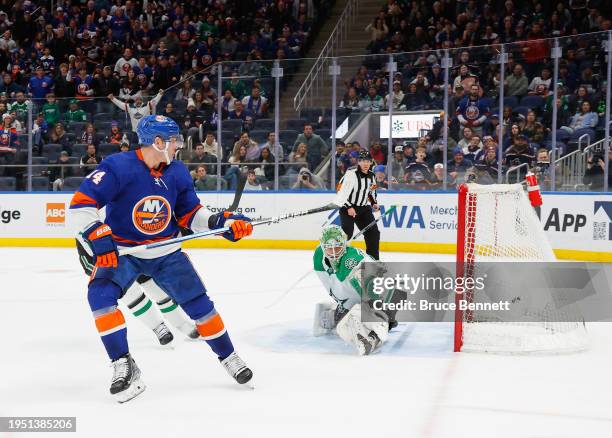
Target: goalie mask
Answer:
[[151, 128], [333, 244]]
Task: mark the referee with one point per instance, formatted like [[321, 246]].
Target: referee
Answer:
[[357, 198]]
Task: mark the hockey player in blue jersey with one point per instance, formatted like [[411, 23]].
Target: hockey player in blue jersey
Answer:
[[148, 196]]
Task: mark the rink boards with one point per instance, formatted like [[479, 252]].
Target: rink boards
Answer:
[[578, 225]]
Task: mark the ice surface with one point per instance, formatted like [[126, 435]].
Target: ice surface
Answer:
[[53, 363]]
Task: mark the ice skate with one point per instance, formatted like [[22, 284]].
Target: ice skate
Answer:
[[126, 383]]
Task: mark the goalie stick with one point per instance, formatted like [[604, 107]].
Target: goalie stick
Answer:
[[268, 221], [310, 271]]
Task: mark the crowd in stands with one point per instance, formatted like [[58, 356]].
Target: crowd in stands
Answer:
[[87, 71], [418, 33]]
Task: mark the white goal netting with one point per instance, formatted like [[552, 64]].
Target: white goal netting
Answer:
[[498, 224]]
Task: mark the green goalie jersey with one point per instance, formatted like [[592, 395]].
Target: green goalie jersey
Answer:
[[344, 282]]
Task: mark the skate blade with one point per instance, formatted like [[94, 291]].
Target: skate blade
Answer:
[[137, 387]]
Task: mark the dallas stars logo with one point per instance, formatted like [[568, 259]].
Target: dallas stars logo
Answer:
[[350, 263]]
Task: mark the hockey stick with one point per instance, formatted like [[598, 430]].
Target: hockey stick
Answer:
[[310, 271], [371, 224], [268, 221], [241, 183]]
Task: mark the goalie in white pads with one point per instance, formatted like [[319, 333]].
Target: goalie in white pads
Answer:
[[338, 266]]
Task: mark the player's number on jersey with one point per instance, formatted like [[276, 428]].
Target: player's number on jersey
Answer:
[[96, 176]]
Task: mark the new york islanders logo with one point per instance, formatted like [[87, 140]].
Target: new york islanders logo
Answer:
[[152, 215]]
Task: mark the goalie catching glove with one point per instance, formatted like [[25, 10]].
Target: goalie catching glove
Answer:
[[105, 253], [239, 225]]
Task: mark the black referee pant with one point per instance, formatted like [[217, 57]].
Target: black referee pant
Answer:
[[364, 217]]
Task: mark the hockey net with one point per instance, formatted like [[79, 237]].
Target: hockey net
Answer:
[[496, 223]]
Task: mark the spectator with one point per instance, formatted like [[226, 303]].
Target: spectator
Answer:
[[115, 136], [185, 93], [372, 101], [519, 153], [200, 157], [379, 155], [106, 84], [414, 99], [58, 136], [398, 95], [466, 139], [378, 29], [398, 163], [125, 63], [60, 173], [576, 100], [473, 110], [51, 110], [533, 129], [20, 107], [227, 103], [267, 161], [351, 100], [437, 178], [211, 146], [456, 97], [516, 83], [418, 172], [40, 85], [458, 166], [582, 120], [204, 182], [317, 148], [236, 86], [139, 109], [541, 84], [251, 182], [240, 113], [84, 89], [252, 149], [272, 145], [10, 122], [465, 78], [510, 138], [256, 104], [473, 149], [89, 135], [90, 160], [9, 142], [594, 174], [170, 112], [380, 174], [9, 87], [299, 156], [233, 171], [209, 96], [39, 130], [305, 181], [563, 115]]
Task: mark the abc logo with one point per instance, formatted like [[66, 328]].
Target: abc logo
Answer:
[[56, 213], [151, 215]]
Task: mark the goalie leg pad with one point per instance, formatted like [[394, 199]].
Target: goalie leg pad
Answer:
[[324, 319], [366, 337]]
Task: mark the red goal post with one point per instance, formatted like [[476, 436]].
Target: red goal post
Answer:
[[496, 223]]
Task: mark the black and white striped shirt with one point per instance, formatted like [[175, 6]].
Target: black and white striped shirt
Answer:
[[356, 189]]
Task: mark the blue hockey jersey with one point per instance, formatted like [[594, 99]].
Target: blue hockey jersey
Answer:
[[142, 205]]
